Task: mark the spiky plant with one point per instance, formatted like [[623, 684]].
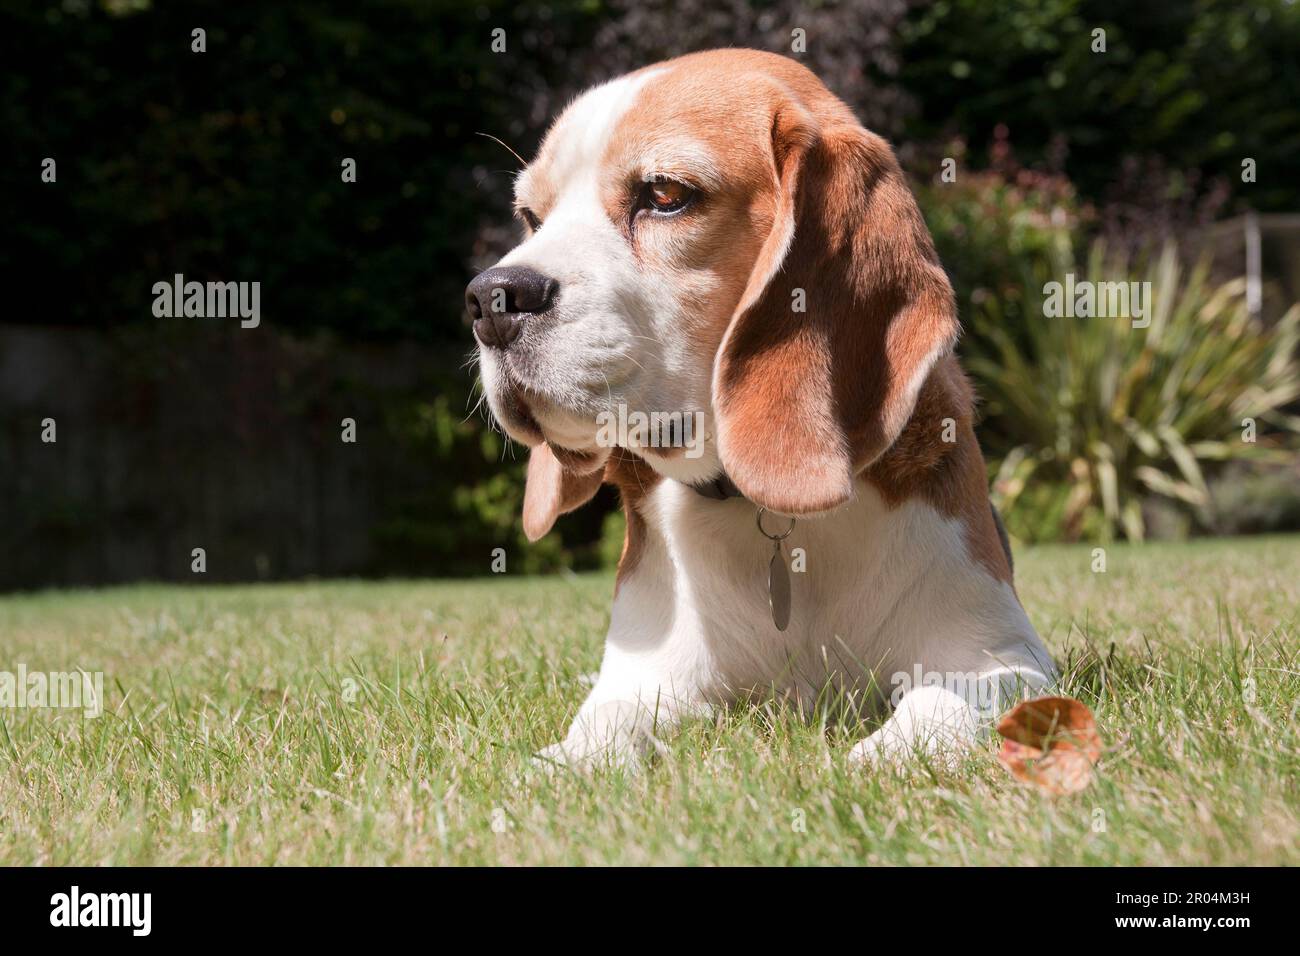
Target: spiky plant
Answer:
[[1090, 416]]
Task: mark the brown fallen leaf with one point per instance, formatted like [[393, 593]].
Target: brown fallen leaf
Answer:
[[1050, 742]]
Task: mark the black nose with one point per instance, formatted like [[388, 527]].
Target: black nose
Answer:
[[500, 299]]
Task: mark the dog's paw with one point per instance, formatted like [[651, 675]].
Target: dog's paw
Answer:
[[615, 735], [586, 749], [546, 764], [929, 725], [575, 756], [553, 756], [886, 747], [875, 749]]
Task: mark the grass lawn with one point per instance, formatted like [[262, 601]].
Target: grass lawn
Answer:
[[392, 723]]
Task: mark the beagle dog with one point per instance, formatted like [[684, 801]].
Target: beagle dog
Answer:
[[717, 238]]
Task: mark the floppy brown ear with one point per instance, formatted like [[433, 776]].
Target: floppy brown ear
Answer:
[[558, 481], [807, 399]]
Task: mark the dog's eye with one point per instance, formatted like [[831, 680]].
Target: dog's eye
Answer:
[[665, 196], [530, 217]]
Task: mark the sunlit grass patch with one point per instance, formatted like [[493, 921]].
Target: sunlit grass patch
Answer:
[[394, 723]]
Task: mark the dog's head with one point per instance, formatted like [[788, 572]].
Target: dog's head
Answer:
[[715, 237]]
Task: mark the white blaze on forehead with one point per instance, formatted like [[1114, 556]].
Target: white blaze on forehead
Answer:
[[577, 143]]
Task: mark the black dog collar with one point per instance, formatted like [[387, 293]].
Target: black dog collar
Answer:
[[719, 489], [778, 574]]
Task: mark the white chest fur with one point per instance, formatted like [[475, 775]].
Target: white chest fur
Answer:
[[889, 605], [875, 592]]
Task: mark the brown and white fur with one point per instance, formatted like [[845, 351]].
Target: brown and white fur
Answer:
[[836, 414]]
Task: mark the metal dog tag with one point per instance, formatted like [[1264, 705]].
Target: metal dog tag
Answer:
[[778, 589], [778, 575]]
